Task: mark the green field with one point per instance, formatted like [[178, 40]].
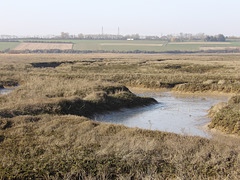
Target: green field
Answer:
[[115, 45], [119, 45], [7, 45], [141, 45]]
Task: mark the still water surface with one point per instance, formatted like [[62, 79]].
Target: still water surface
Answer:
[[5, 91], [182, 114]]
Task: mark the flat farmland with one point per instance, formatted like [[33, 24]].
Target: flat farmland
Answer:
[[43, 46], [219, 48], [129, 44], [201, 43], [120, 45], [8, 45], [143, 45]]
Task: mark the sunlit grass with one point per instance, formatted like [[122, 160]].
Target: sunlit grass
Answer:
[[41, 138]]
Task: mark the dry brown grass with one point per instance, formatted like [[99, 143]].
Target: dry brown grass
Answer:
[[40, 89], [41, 145], [52, 95], [60, 146], [226, 117]]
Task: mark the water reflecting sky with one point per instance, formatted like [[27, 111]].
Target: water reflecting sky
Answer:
[[174, 113], [5, 91]]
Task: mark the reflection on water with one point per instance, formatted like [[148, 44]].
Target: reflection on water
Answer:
[[5, 91], [174, 113]]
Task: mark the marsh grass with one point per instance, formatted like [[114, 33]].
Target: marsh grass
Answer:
[[227, 118], [40, 138], [66, 96], [69, 146]]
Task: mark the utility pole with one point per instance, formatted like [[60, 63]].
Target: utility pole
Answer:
[[102, 30]]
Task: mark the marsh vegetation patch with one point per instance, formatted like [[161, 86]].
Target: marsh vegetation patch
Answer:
[[226, 117]]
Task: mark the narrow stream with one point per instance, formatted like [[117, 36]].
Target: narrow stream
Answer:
[[182, 114]]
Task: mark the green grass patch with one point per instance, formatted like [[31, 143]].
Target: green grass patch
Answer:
[[8, 45]]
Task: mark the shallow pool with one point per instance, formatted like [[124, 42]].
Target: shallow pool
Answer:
[[182, 114]]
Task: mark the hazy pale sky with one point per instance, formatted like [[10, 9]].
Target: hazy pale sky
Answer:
[[146, 17]]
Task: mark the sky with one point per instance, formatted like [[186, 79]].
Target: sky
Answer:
[[145, 17]]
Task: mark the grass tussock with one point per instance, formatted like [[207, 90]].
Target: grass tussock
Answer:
[[71, 146], [66, 96], [227, 117]]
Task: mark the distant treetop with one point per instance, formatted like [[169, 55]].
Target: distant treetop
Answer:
[[217, 38]]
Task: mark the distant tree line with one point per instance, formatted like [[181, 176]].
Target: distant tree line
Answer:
[[217, 38], [99, 36], [183, 37], [197, 37], [174, 38], [170, 37]]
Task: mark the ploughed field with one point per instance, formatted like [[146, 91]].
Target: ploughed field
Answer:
[[45, 130]]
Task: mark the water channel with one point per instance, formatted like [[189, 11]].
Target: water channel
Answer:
[[177, 113], [182, 114]]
